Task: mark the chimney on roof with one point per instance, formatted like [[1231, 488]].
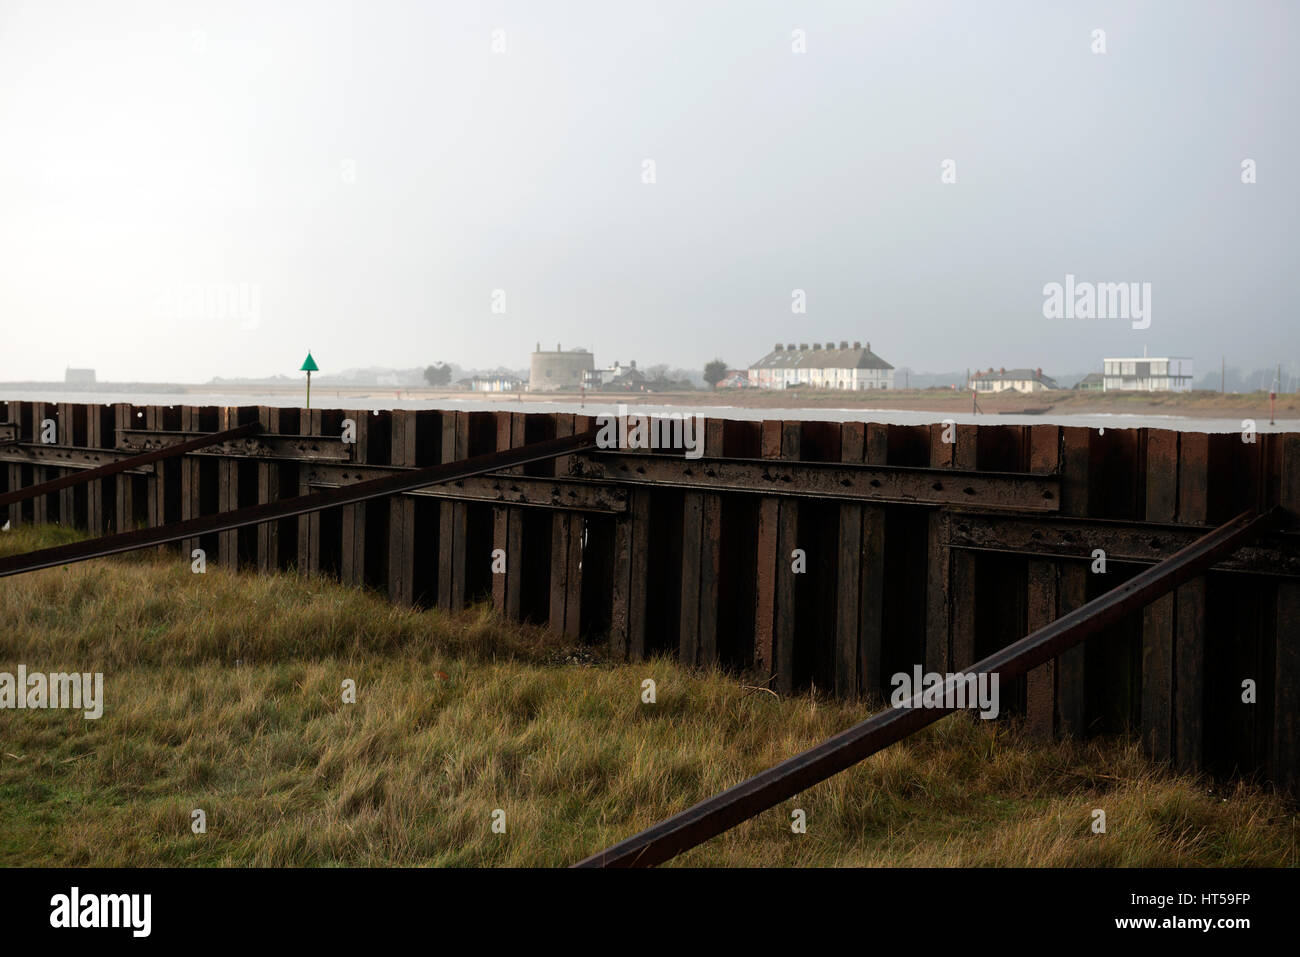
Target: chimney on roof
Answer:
[[789, 347], [868, 346], [557, 347], [539, 347], [1003, 369], [1039, 372], [777, 348], [817, 346], [844, 344], [857, 345], [632, 364], [803, 347]]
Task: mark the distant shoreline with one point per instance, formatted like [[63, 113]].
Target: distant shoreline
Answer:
[[1195, 405]]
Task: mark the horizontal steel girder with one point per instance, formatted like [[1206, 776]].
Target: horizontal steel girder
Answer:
[[113, 467], [529, 491], [266, 445], [1139, 543], [288, 508], [823, 480]]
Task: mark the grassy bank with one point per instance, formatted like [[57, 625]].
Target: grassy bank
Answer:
[[223, 692]]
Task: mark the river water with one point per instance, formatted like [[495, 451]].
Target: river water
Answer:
[[387, 398]]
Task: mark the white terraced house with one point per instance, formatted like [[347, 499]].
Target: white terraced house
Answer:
[[852, 368]]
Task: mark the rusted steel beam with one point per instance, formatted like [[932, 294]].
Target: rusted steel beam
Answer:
[[525, 490], [711, 817], [1284, 756], [66, 457], [266, 445], [287, 508], [401, 511], [1139, 543], [528, 490], [827, 480], [125, 464]]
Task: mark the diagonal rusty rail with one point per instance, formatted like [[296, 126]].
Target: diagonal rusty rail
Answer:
[[122, 465], [288, 508], [711, 817]]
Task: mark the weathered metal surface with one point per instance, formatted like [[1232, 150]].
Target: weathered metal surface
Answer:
[[711, 817], [1140, 543], [1284, 752], [287, 508], [523, 490], [67, 457], [826, 480], [8, 433], [1042, 585], [660, 552], [86, 459], [295, 448]]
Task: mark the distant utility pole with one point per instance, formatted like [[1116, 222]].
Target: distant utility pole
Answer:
[[1272, 396], [1223, 372]]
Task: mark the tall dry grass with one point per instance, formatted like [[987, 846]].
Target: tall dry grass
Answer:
[[223, 692]]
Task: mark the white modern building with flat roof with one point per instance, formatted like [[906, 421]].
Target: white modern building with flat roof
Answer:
[[1147, 374]]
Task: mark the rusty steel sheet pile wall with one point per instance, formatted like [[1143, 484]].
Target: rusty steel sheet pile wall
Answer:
[[821, 554]]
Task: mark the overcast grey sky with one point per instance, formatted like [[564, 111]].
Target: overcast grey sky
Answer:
[[363, 176]]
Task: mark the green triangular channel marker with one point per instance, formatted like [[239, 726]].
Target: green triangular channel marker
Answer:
[[309, 365]]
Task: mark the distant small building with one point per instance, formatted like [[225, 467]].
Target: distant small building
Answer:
[[1092, 382], [847, 367], [599, 378], [78, 376], [631, 379], [559, 370], [1011, 380], [1165, 374]]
